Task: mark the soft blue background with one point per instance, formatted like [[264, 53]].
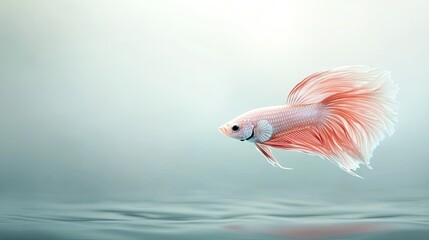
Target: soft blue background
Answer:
[[121, 100]]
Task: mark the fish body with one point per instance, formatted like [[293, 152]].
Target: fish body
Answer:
[[285, 118], [339, 114]]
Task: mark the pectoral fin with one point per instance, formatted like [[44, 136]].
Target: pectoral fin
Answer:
[[266, 152], [263, 131]]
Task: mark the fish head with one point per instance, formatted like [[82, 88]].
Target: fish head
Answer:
[[240, 128]]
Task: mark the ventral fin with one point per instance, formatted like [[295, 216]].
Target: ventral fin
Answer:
[[263, 131], [266, 152]]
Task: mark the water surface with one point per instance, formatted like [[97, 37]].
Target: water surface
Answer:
[[205, 218]]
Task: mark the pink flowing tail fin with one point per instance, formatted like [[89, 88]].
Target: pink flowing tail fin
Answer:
[[360, 110]]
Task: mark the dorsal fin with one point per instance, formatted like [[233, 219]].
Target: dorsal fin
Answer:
[[320, 85]]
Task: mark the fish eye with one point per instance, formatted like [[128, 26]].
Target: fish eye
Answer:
[[235, 128]]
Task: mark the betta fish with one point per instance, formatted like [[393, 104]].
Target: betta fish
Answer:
[[340, 114]]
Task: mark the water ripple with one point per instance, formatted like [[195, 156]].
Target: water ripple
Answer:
[[227, 219]]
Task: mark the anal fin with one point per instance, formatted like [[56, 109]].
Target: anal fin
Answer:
[[266, 152]]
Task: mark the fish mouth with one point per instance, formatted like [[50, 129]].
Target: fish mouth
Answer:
[[223, 130]]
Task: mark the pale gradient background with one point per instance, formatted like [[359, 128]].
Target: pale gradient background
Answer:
[[105, 100]]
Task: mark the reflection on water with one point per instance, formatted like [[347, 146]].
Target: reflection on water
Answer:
[[226, 219]]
